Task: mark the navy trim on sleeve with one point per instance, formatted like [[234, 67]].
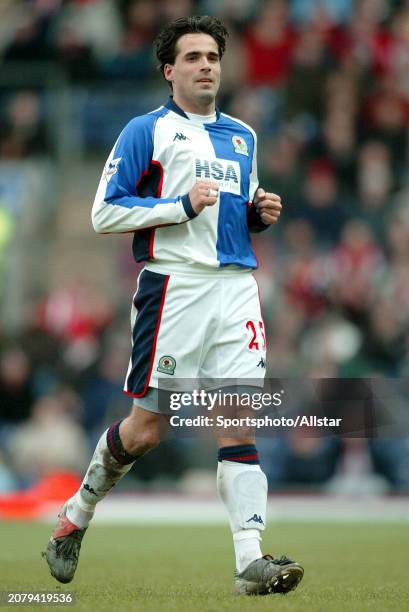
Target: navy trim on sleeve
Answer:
[[187, 205], [254, 222]]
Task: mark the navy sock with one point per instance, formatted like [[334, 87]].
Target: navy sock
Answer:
[[242, 453], [115, 445]]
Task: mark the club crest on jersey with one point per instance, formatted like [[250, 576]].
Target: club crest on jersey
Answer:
[[226, 172], [111, 168], [240, 145], [167, 365]]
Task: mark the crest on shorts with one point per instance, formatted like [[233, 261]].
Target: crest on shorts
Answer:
[[167, 365], [111, 168], [240, 145]]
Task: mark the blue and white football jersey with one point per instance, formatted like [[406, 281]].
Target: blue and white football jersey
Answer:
[[144, 188]]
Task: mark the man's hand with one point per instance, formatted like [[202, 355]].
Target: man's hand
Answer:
[[199, 195], [268, 206]]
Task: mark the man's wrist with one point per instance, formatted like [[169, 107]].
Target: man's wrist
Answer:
[[254, 220], [187, 205]]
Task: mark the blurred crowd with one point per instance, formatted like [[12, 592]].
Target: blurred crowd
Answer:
[[326, 86]]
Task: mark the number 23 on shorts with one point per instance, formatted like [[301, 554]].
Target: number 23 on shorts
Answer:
[[255, 331]]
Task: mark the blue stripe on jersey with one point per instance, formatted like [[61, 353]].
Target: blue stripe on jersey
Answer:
[[148, 301], [233, 241], [134, 149]]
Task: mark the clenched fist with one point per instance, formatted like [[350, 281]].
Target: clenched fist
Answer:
[[202, 194], [268, 206]]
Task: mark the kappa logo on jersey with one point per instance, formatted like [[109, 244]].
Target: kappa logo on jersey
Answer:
[[225, 171], [167, 365], [261, 363], [111, 168], [240, 145], [180, 136]]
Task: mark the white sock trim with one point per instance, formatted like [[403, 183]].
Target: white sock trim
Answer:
[[83, 505], [246, 551], [245, 534], [77, 515]]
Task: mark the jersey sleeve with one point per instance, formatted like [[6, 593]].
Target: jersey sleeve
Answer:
[[129, 193], [254, 221]]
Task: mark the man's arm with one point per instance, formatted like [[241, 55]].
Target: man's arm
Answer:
[[129, 193]]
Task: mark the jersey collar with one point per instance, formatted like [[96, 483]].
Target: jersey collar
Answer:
[[171, 105]]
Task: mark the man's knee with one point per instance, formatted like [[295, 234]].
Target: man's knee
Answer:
[[148, 439], [141, 431], [140, 441]]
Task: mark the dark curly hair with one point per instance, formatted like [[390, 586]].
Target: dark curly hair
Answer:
[[199, 24]]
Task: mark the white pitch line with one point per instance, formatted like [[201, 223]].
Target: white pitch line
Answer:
[[168, 509]]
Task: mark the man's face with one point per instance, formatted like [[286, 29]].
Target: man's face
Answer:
[[195, 75]]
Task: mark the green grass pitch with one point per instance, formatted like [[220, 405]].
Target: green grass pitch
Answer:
[[353, 567]]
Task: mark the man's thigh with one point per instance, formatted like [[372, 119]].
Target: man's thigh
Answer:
[[171, 318], [237, 351]]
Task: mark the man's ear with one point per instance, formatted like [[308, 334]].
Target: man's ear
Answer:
[[168, 72]]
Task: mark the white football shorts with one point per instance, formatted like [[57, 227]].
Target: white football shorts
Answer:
[[193, 326]]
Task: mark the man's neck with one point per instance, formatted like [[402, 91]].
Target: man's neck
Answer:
[[196, 109]]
